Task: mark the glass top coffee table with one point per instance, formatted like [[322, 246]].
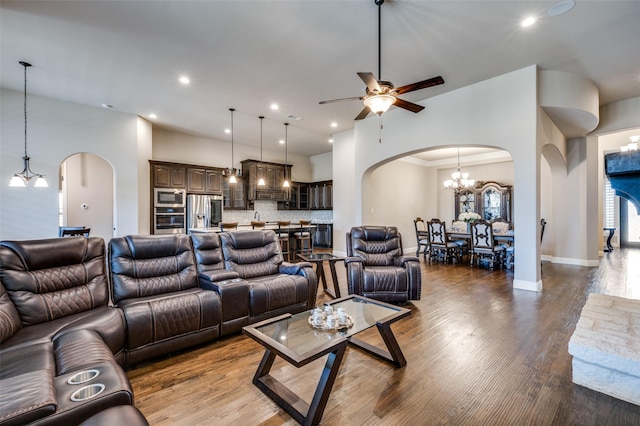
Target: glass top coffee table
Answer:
[[296, 340], [318, 259]]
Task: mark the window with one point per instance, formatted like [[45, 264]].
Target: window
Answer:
[[609, 211]]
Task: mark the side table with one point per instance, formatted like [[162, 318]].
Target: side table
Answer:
[[318, 259]]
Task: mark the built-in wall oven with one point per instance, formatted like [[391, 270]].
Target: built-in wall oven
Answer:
[[169, 211]]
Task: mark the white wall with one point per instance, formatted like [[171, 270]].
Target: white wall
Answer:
[[321, 167], [57, 130]]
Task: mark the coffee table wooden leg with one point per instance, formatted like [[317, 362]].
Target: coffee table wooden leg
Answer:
[[394, 354], [303, 413]]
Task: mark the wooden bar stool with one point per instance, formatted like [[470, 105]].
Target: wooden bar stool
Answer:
[[228, 226], [257, 225], [302, 239], [283, 238]]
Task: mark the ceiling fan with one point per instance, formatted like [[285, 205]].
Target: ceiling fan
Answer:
[[380, 94]]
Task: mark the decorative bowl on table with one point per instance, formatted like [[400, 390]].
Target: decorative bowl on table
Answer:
[[329, 320]]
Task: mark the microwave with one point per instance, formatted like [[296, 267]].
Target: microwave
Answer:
[[166, 197]]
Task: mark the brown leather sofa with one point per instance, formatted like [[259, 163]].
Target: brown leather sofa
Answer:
[[377, 267], [247, 270], [155, 283], [55, 321]]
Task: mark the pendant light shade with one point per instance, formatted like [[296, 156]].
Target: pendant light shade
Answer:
[[261, 171], [232, 172], [22, 179], [286, 143]]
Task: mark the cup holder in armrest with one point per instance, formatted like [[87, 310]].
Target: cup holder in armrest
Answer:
[[83, 376], [87, 392]]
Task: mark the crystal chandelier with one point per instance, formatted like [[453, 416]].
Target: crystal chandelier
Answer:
[[22, 179], [458, 179]]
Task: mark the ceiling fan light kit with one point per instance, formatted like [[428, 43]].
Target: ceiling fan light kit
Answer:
[[381, 95]]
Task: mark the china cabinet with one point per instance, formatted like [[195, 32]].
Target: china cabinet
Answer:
[[491, 200]]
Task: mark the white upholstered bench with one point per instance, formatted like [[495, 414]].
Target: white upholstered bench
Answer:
[[606, 347]]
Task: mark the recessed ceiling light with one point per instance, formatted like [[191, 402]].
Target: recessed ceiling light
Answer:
[[561, 8], [281, 141], [274, 107], [107, 106], [227, 131], [184, 80], [330, 140], [334, 124], [152, 115], [528, 21]]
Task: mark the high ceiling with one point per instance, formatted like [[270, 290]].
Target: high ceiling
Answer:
[[250, 54]]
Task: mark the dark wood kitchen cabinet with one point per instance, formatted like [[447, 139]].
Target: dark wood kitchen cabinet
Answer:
[[204, 181], [169, 175], [321, 195], [273, 175]]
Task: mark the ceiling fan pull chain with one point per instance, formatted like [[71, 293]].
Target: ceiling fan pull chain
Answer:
[[380, 128]]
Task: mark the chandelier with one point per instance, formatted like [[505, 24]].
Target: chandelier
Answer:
[[23, 178], [458, 179]]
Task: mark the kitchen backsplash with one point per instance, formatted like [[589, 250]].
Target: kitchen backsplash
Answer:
[[268, 211]]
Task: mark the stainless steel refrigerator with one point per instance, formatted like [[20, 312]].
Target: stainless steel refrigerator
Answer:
[[203, 211]]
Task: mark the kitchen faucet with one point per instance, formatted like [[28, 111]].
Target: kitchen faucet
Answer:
[[256, 215]]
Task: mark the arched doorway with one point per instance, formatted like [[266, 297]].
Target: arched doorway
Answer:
[[86, 194]]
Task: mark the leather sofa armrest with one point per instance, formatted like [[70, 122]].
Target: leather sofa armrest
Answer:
[[210, 279], [414, 275], [404, 260], [293, 268], [355, 267]]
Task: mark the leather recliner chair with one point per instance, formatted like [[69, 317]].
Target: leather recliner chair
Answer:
[[155, 283], [377, 268]]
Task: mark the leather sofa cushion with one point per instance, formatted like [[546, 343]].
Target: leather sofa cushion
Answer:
[[17, 361], [251, 254], [273, 292], [54, 278], [148, 265], [78, 350], [375, 245], [208, 252], [384, 279], [9, 318], [27, 397], [156, 318]]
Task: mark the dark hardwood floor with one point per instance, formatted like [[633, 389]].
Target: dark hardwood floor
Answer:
[[478, 353]]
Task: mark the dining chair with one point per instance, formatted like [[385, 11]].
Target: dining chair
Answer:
[[228, 226], [302, 242], [460, 227], [422, 236], [439, 244], [483, 246], [500, 227], [283, 238]]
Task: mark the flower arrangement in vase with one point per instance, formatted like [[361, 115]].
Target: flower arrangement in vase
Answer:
[[469, 216]]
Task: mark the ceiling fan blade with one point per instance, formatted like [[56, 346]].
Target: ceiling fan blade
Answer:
[[370, 80], [363, 113], [410, 106], [435, 81], [342, 99]]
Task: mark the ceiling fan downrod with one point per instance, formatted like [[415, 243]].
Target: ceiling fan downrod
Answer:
[[379, 4]]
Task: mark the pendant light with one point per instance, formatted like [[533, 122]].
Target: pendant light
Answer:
[[22, 179], [459, 180], [286, 142], [261, 172], [232, 171]]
